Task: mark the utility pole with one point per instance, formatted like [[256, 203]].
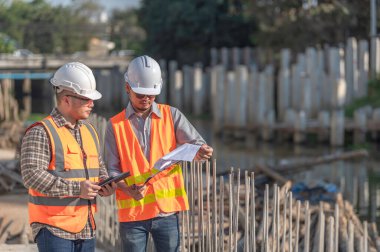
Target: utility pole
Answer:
[[375, 42], [373, 25]]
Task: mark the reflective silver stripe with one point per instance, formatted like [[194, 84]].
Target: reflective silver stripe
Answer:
[[55, 201], [59, 154], [94, 137], [76, 173]]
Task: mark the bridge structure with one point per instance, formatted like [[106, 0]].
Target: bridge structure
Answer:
[[36, 70]]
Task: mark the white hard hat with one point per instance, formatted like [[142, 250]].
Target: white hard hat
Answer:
[[144, 76], [78, 78]]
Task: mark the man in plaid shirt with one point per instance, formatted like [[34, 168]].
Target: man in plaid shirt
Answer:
[[61, 165]]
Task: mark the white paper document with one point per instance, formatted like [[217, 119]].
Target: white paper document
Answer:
[[185, 152]]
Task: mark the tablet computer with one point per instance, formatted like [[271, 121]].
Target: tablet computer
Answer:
[[114, 179]]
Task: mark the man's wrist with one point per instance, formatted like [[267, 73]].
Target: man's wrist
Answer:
[[74, 188]]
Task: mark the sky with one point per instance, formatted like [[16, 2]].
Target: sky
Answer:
[[108, 4]]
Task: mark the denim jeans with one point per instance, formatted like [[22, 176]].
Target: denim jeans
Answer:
[[47, 242], [164, 230]]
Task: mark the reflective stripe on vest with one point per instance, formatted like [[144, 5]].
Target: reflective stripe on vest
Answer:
[[165, 191], [67, 161], [54, 201]]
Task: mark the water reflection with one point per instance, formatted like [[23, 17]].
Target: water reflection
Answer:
[[358, 180]]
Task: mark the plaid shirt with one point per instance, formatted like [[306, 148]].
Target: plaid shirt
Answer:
[[35, 159]]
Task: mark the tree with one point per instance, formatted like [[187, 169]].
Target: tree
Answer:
[[7, 45], [126, 31], [185, 30], [289, 24], [42, 28]]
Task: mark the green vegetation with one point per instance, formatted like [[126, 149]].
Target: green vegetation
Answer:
[[42, 28], [183, 30], [36, 117], [6, 43], [373, 98]]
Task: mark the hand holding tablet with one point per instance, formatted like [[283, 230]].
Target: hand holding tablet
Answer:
[[115, 179]]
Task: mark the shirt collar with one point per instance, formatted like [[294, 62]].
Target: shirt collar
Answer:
[[61, 121], [130, 111]]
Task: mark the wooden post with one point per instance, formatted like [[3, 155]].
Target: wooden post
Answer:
[[351, 63], [163, 97], [229, 99], [336, 225], [363, 63], [247, 58], [178, 95], [208, 209], [330, 235], [173, 67], [284, 84], [360, 126], [307, 224], [300, 128], [350, 237], [235, 57], [230, 216], [297, 225], [188, 82], [374, 57], [247, 196], [338, 88], [214, 210], [193, 200], [365, 236], [201, 233], [221, 215], [268, 125], [269, 88], [291, 222], [240, 108], [224, 57], [252, 96], [217, 98], [324, 124], [198, 91], [313, 71], [27, 98], [376, 120], [275, 224], [213, 57], [337, 128], [237, 208], [253, 212]]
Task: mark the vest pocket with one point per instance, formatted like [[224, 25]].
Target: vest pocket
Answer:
[[61, 210]]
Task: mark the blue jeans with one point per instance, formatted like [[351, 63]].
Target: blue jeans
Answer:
[[47, 242], [164, 231]]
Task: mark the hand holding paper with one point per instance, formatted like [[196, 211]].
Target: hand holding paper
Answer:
[[185, 152], [204, 153]]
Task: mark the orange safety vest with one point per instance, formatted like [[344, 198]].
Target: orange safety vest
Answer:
[[68, 162], [166, 191]]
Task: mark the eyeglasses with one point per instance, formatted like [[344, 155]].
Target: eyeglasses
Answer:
[[83, 100], [141, 96]]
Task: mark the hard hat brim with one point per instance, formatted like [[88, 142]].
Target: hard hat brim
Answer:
[[95, 95], [147, 91]]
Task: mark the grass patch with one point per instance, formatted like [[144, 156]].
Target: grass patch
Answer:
[[36, 117], [373, 98]]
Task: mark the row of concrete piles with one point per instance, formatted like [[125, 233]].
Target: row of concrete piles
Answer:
[[242, 92]]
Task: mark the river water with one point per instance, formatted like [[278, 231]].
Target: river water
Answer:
[[358, 180]]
